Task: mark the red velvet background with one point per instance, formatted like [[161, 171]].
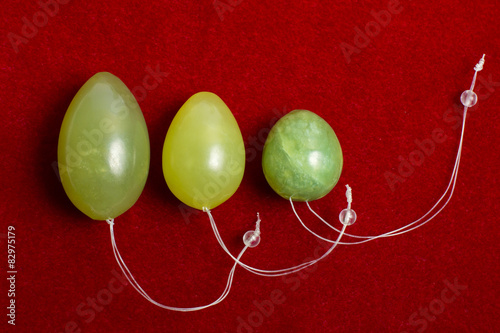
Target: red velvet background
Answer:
[[263, 59]]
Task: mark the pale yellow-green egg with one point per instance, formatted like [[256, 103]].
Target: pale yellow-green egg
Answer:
[[103, 149], [203, 154]]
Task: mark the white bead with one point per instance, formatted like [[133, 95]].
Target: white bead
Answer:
[[251, 238], [468, 98], [347, 216]]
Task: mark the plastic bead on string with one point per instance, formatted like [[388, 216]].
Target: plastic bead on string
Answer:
[[347, 217]]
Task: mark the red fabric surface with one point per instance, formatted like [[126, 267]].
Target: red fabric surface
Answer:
[[263, 59]]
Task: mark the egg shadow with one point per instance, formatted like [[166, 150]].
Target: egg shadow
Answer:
[[254, 147], [157, 132], [48, 174]]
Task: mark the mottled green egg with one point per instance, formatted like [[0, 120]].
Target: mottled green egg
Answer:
[[302, 157]]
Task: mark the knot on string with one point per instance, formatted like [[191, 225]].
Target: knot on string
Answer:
[[479, 65], [257, 224], [206, 209], [348, 195], [111, 221]]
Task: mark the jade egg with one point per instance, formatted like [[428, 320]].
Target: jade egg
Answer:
[[302, 157], [203, 154], [103, 150]]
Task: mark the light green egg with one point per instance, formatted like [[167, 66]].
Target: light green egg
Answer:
[[103, 150]]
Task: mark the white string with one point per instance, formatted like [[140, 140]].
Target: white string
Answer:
[[415, 224], [405, 228], [275, 272], [294, 269], [141, 291], [280, 272]]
